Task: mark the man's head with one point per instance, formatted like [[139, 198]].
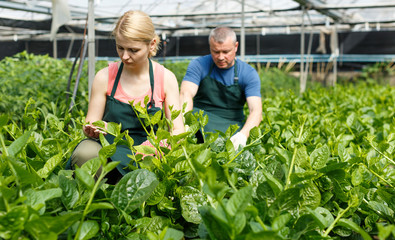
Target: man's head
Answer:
[[223, 46]]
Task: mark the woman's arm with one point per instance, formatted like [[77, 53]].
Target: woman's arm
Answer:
[[172, 98], [97, 103]]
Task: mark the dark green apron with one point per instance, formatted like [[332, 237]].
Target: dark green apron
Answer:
[[120, 112], [222, 104]]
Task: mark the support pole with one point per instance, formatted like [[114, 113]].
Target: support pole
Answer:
[[91, 44], [302, 79], [55, 48], [335, 55], [242, 33]]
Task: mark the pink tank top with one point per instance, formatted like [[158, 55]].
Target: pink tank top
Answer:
[[121, 95]]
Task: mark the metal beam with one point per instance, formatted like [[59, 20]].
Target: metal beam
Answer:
[[34, 9], [24, 7], [356, 6], [316, 4]]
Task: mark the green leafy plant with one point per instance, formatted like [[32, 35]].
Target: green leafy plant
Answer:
[[319, 166]]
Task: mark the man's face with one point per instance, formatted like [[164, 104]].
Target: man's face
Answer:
[[223, 54]]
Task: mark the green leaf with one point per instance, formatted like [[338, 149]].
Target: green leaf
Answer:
[[351, 119], [276, 185], [157, 194], [110, 166], [381, 209], [70, 194], [204, 157], [145, 149], [175, 114], [239, 201], [3, 120], [280, 221], [50, 165], [343, 154], [113, 128], [215, 223], [107, 151], [322, 216], [39, 227], [19, 144], [89, 230], [311, 195], [37, 199], [264, 235], [190, 201], [285, 156], [357, 175], [385, 231], [85, 178], [133, 189], [13, 221], [92, 166], [171, 234], [25, 177], [154, 224], [287, 200], [302, 158], [100, 205], [156, 118], [353, 226], [239, 222], [319, 157]]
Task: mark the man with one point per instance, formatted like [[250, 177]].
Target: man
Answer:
[[220, 84]]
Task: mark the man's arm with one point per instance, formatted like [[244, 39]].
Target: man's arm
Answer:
[[188, 91], [255, 116]]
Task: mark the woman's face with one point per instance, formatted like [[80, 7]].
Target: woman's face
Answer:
[[132, 53]]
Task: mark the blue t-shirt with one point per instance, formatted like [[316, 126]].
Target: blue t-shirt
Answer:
[[249, 80]]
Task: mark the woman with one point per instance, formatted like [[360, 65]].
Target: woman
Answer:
[[132, 79]]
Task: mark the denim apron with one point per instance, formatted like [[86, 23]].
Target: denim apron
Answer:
[[222, 104]]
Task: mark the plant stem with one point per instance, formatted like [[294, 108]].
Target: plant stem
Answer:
[[381, 178], [244, 149], [192, 167], [259, 220], [5, 155], [336, 220], [288, 181], [95, 187], [389, 159]]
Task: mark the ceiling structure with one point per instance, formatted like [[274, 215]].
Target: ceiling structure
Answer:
[[31, 19]]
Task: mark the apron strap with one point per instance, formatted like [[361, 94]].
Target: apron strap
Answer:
[[236, 75], [151, 79], [114, 87]]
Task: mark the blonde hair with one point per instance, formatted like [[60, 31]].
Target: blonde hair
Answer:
[[137, 26]]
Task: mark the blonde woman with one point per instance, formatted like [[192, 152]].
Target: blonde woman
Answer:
[[133, 78]]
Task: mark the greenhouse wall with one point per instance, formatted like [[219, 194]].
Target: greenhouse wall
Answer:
[[373, 42]]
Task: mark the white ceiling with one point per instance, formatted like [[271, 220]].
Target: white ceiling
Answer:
[[196, 17]]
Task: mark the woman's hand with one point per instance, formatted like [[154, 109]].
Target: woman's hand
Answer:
[[93, 131]]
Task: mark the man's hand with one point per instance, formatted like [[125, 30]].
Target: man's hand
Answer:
[[239, 139]]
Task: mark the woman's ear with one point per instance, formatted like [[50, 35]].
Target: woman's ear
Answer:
[[153, 44]]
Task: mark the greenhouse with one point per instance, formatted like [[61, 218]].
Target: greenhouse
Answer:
[[309, 154]]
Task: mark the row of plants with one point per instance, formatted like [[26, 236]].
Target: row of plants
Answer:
[[319, 166]]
